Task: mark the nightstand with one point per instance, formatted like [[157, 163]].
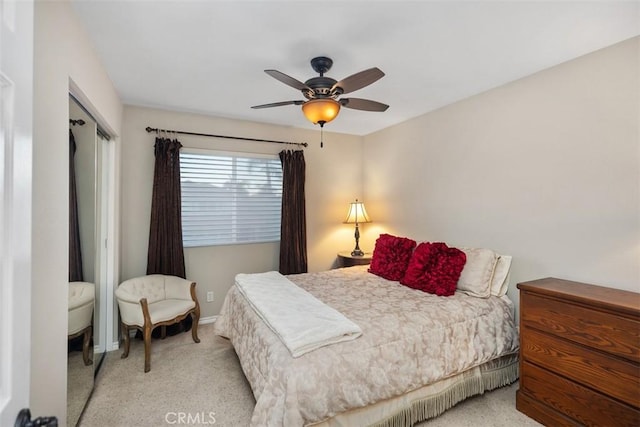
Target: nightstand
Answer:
[[345, 259]]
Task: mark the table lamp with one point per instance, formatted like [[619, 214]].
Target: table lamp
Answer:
[[357, 214]]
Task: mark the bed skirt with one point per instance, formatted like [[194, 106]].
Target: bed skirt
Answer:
[[431, 400]]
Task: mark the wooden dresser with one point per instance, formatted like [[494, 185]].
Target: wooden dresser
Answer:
[[579, 354]]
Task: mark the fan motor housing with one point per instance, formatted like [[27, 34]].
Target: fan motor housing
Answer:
[[321, 87]]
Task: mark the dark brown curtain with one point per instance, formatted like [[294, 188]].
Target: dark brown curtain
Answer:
[[166, 253], [75, 253], [293, 228]]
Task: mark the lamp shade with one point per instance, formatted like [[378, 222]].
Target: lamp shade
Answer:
[[357, 213], [321, 110]]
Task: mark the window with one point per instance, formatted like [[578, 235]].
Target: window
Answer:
[[230, 198]]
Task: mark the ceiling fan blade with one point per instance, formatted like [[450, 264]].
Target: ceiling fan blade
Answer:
[[278, 104], [358, 80], [363, 104], [288, 80]]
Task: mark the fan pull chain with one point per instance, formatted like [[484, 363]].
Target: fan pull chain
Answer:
[[321, 143]]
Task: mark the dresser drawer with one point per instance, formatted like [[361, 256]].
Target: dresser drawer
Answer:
[[606, 332], [612, 376], [582, 404]]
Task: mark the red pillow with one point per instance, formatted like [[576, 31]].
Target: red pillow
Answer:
[[435, 268], [391, 256]]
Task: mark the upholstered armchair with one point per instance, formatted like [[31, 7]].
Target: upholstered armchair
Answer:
[[80, 316], [155, 300]]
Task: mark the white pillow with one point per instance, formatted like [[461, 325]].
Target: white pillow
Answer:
[[477, 274], [501, 274]]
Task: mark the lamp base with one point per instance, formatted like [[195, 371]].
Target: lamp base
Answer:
[[357, 252]]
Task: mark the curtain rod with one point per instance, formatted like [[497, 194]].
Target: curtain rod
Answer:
[[156, 130]]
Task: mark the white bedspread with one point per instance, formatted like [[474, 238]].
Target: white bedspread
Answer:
[[409, 339], [302, 322]]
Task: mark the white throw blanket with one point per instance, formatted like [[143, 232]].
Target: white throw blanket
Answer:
[[302, 322]]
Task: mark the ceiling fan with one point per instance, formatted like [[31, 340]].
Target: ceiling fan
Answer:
[[322, 93]]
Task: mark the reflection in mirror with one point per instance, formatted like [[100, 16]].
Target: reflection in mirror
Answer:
[[84, 263]]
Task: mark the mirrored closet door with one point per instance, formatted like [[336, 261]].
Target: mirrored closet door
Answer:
[[88, 214]]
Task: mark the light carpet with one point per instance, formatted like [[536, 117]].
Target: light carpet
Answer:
[[203, 385]]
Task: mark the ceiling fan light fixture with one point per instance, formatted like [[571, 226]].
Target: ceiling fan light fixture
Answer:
[[321, 110]]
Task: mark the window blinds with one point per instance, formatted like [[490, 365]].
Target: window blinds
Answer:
[[230, 198]]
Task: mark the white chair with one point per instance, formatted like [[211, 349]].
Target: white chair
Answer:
[[155, 300], [80, 316]]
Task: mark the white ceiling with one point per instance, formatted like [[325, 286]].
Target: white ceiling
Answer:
[[208, 56]]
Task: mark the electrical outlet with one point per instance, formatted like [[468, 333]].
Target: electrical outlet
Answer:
[[210, 296]]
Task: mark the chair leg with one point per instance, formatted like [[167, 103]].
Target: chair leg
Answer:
[[86, 342], [147, 347], [195, 317], [125, 335]]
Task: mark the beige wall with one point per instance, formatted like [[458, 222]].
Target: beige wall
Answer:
[[62, 53], [546, 169], [333, 179]]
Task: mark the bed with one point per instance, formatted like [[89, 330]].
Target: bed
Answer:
[[418, 353]]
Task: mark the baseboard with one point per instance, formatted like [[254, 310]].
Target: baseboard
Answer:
[[205, 320]]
